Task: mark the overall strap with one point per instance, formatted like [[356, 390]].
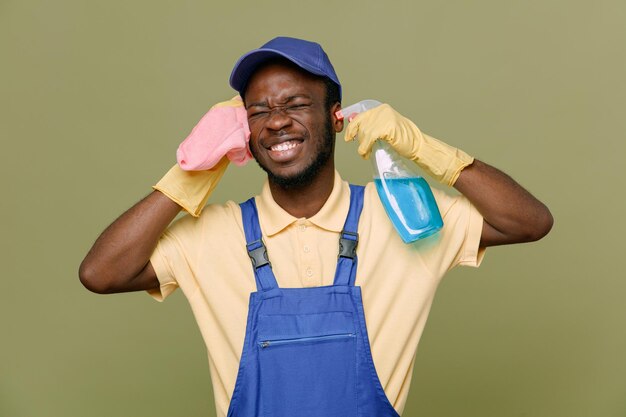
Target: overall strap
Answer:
[[345, 273], [265, 279]]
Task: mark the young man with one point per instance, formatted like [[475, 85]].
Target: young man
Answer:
[[290, 337]]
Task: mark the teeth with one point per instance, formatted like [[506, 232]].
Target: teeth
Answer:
[[281, 147]]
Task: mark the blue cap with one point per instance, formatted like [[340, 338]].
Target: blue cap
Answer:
[[307, 55]]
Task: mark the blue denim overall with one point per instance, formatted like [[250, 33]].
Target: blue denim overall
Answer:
[[306, 352]]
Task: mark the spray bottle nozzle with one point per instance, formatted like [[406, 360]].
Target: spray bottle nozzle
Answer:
[[352, 111]]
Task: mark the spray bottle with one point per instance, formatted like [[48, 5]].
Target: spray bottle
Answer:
[[406, 196]]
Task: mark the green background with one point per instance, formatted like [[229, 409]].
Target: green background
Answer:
[[96, 96]]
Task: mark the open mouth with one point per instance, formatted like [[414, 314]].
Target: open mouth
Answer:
[[284, 146], [285, 151]]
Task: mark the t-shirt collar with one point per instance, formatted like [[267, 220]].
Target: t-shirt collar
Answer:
[[331, 216]]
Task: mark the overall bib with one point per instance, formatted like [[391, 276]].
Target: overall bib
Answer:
[[306, 351]]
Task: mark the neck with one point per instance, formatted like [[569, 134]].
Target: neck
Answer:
[[307, 200]]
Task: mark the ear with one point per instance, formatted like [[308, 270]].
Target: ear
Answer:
[[336, 122]]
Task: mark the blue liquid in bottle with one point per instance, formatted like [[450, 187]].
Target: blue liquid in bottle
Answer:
[[411, 207], [406, 196]]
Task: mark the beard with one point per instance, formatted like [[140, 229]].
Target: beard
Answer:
[[323, 153]]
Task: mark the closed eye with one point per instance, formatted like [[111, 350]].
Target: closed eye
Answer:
[[257, 114], [262, 111], [298, 107]]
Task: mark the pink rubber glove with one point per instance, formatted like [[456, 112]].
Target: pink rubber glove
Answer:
[[223, 131]]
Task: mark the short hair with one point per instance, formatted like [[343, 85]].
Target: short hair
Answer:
[[332, 93]]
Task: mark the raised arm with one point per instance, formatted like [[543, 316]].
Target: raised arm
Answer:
[[511, 214], [119, 259]]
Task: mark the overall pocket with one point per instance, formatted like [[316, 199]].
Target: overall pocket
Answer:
[[323, 338], [310, 373]]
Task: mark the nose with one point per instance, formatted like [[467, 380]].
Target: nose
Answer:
[[278, 119]]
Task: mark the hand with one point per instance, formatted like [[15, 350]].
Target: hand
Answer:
[[222, 131], [443, 162], [383, 122]]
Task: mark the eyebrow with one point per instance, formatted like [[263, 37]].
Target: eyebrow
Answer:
[[287, 100]]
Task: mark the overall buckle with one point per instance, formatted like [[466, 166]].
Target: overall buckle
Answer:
[[258, 254], [347, 247]]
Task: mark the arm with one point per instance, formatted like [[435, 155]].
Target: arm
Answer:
[[119, 259], [511, 214]]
